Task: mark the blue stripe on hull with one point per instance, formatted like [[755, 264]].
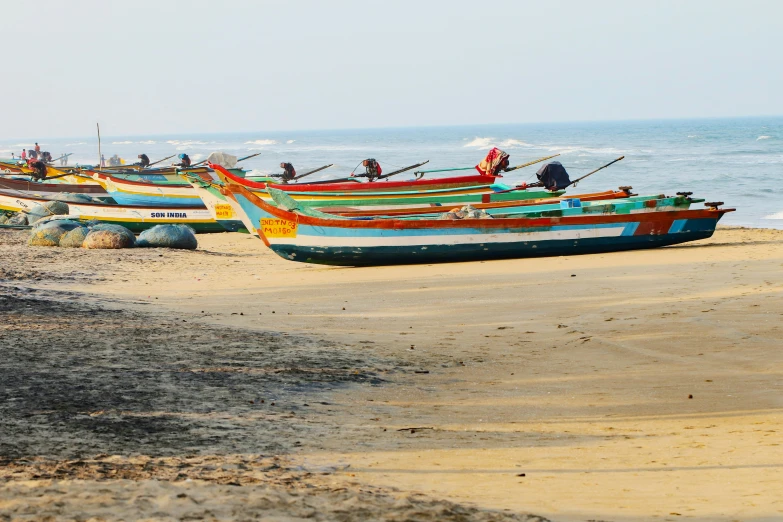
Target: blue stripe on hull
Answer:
[[373, 256], [155, 201]]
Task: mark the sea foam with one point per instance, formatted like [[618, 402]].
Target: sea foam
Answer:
[[261, 142], [763, 138], [480, 143]]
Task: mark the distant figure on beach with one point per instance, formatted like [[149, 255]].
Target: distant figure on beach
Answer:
[[103, 161], [144, 161], [37, 148], [115, 161], [46, 156], [289, 172], [33, 154], [24, 155], [495, 163], [184, 161]]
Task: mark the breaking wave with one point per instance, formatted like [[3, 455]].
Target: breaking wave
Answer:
[[778, 215], [148, 142], [261, 142], [290, 141], [121, 142], [763, 138], [480, 143], [186, 143], [510, 143]]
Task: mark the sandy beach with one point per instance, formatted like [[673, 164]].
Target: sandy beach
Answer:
[[228, 383]]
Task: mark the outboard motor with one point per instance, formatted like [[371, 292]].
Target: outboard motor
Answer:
[[289, 173], [39, 170], [553, 176], [372, 169]]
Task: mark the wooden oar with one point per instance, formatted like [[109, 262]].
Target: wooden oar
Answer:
[[400, 171], [319, 169], [164, 159], [472, 168], [443, 170], [593, 172], [539, 184], [530, 163], [248, 157], [68, 174]]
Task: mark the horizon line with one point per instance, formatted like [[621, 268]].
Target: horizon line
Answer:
[[427, 126]]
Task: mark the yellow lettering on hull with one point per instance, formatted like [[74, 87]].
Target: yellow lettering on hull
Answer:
[[224, 211], [278, 228]]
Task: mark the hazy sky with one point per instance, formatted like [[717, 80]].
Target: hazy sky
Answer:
[[158, 67]]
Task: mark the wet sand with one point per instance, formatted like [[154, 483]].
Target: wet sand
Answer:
[[630, 386]]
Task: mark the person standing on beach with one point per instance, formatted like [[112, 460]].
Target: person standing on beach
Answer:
[[24, 154], [103, 161], [37, 149]]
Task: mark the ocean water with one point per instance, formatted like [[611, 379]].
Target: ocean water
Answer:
[[737, 161]]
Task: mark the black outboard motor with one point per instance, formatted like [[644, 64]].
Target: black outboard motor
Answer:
[[289, 173], [553, 176], [39, 170], [372, 169]]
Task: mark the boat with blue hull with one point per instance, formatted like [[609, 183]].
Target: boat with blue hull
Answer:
[[326, 239]]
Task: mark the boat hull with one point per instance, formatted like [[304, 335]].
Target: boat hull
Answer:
[[135, 218], [531, 244], [371, 242]]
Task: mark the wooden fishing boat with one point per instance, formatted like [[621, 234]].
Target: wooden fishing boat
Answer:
[[228, 213], [134, 217], [344, 188], [454, 190], [44, 189], [366, 241], [231, 216], [159, 194]]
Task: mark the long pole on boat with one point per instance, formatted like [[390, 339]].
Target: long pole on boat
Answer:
[[400, 171], [161, 160], [319, 169], [472, 168], [248, 157], [593, 172], [539, 184], [63, 156], [530, 163], [100, 156]]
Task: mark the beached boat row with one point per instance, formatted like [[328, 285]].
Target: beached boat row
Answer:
[[347, 222]]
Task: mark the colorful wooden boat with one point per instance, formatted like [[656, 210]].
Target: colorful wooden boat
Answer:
[[487, 184], [231, 216], [43, 189], [134, 217], [159, 194], [367, 242]]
